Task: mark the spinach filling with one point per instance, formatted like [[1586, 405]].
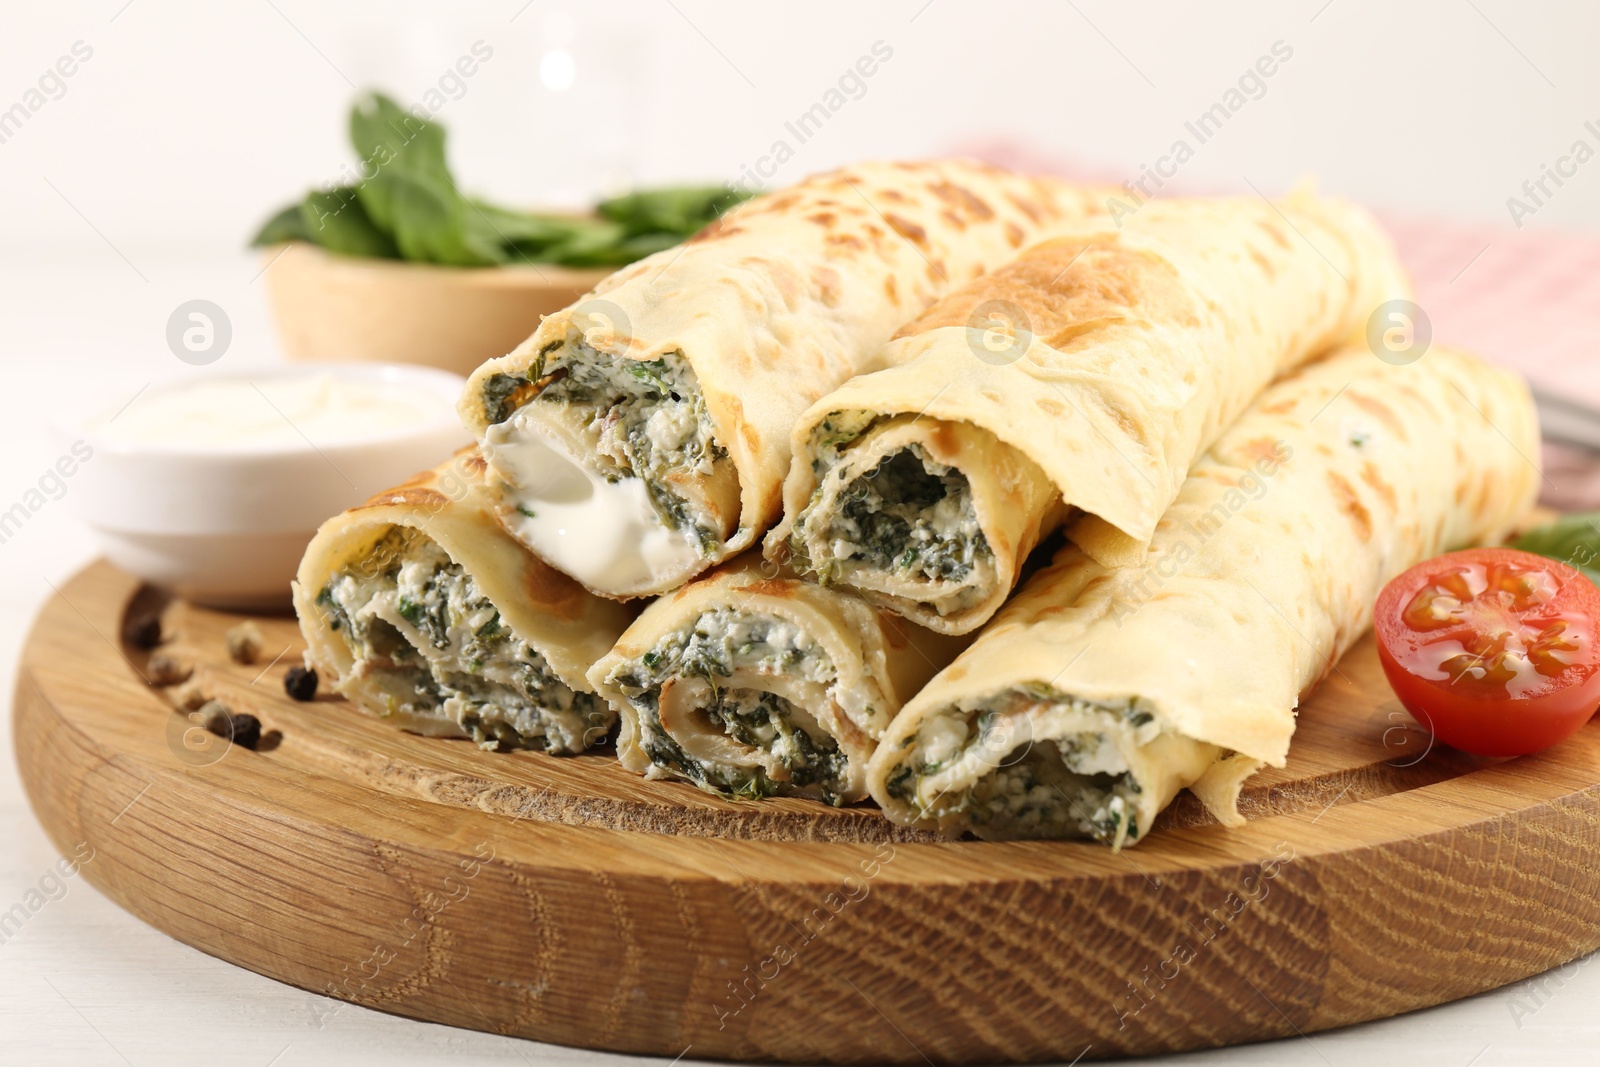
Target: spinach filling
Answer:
[[910, 516], [721, 642], [645, 418], [417, 623], [1075, 786]]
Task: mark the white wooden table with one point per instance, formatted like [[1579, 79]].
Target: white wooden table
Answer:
[[84, 983]]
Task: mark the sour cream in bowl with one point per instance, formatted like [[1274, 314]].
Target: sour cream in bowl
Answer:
[[212, 487]]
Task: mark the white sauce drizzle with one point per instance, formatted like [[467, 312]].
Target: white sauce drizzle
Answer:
[[605, 534]]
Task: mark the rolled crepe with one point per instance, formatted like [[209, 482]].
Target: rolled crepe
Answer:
[[753, 685], [1096, 694], [1081, 380], [427, 613], [642, 435]]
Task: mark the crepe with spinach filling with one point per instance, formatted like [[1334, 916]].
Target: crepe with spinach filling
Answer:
[[754, 686], [425, 612], [641, 436], [1076, 384], [1098, 693]]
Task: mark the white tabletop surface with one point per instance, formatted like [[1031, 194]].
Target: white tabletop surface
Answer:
[[85, 983]]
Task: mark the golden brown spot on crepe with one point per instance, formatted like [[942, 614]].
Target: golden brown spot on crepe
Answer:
[[942, 443], [1071, 289], [1260, 449], [823, 218], [936, 270], [1370, 475], [779, 203], [786, 281], [956, 221], [893, 194], [1014, 234], [1382, 412], [1027, 207], [825, 280], [410, 495], [1124, 422], [715, 232], [1282, 407], [1325, 450], [1345, 494], [1264, 263], [1274, 232], [779, 588], [908, 229], [1051, 407], [846, 240], [891, 289], [959, 197], [550, 591], [955, 674]]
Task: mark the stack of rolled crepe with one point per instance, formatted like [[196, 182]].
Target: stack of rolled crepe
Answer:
[[1079, 382], [669, 393], [1098, 693], [641, 436], [638, 441]]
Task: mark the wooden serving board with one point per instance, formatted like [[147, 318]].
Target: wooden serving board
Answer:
[[569, 901]]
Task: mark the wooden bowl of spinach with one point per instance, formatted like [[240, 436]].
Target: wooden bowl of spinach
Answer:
[[402, 266]]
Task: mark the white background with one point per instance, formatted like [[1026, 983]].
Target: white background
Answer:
[[137, 188]]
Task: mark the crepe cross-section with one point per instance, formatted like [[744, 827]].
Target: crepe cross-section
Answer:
[[754, 685], [1079, 382], [427, 613], [642, 435], [1097, 694]]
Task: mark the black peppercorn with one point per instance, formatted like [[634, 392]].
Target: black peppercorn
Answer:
[[246, 730], [300, 683], [241, 728], [143, 630]]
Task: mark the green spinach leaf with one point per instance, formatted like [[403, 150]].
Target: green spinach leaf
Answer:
[[408, 206], [286, 225], [337, 221], [1573, 539]]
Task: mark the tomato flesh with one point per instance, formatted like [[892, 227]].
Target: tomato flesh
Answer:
[[1493, 649]]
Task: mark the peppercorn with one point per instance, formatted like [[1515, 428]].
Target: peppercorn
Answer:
[[300, 683], [244, 643], [246, 730], [143, 630], [192, 697], [167, 669], [241, 728], [215, 717]]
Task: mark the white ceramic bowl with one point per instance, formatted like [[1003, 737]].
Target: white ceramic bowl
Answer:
[[227, 527]]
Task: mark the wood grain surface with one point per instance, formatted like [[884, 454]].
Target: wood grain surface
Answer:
[[569, 901]]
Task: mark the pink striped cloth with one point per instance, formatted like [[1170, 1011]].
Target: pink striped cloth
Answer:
[[1529, 299]]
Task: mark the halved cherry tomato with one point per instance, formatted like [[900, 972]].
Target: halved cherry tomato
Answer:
[[1492, 649]]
